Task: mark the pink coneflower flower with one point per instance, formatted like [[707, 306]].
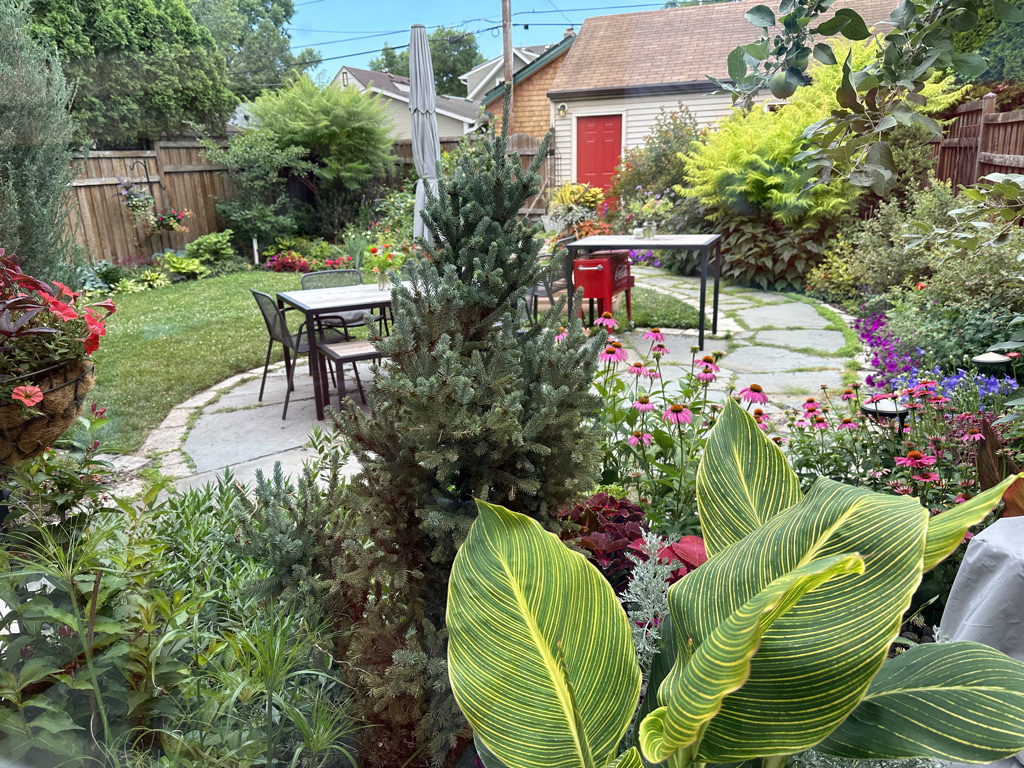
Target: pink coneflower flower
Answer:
[[660, 350], [881, 396], [900, 488], [927, 477], [939, 400], [810, 408], [973, 435], [848, 423], [848, 394], [677, 414], [610, 355], [706, 362], [764, 426], [877, 473], [620, 353], [707, 375], [652, 374], [607, 321], [754, 394], [915, 459], [638, 369], [562, 334], [809, 402], [639, 437], [643, 404], [960, 499], [820, 423], [800, 423], [758, 413], [779, 440], [654, 334]]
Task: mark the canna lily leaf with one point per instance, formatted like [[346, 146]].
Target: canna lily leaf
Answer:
[[721, 664], [743, 480], [540, 653], [958, 702], [829, 645]]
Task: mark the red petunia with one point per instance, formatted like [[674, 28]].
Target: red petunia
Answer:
[[28, 394], [59, 308], [64, 290]]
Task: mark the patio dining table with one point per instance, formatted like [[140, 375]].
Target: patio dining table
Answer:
[[315, 302]]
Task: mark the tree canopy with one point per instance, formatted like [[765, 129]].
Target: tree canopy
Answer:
[[140, 68], [252, 36], [452, 53]]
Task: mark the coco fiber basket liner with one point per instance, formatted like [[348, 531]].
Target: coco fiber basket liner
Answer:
[[24, 435]]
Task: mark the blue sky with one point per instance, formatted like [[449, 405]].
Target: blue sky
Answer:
[[358, 29]]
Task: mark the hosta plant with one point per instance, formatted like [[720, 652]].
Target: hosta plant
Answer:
[[782, 634]]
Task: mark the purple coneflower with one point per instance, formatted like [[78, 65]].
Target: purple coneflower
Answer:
[[927, 477], [654, 334], [820, 423], [915, 460], [660, 350], [652, 374], [754, 394], [848, 423], [848, 394], [638, 369], [707, 375], [639, 437], [973, 435], [562, 334], [707, 362], [620, 353], [607, 321], [643, 404], [610, 355], [677, 414]]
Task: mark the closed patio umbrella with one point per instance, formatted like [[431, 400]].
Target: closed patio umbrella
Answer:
[[426, 148]]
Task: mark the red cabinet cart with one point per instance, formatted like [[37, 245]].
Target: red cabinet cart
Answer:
[[602, 276]]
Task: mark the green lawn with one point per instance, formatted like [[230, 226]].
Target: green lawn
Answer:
[[658, 310], [165, 345]]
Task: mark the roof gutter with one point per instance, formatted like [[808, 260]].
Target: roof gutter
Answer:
[[654, 89]]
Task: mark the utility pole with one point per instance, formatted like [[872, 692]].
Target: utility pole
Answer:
[[506, 33]]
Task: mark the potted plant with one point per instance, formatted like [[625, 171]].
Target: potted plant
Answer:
[[45, 369]]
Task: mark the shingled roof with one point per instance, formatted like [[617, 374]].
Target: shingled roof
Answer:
[[673, 48], [397, 86]]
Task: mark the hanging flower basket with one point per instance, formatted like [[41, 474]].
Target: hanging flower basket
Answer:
[[27, 432]]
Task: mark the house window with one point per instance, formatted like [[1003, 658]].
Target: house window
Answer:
[[344, 77]]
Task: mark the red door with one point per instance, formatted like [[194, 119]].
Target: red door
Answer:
[[598, 148]]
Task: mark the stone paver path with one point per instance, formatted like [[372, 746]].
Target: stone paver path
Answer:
[[789, 346]]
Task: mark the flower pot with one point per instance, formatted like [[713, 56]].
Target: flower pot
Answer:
[[26, 434]]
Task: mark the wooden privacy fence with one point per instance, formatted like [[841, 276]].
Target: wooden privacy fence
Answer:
[[981, 141], [173, 173], [527, 146]]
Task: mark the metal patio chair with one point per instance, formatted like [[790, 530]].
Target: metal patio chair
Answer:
[[294, 344]]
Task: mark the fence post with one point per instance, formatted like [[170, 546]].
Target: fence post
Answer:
[[988, 107]]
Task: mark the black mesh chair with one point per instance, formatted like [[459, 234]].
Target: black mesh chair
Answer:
[[334, 278], [294, 344], [553, 282]]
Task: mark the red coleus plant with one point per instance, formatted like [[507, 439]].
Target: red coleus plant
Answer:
[[42, 325]]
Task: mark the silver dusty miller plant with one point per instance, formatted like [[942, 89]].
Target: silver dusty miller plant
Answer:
[[645, 600]]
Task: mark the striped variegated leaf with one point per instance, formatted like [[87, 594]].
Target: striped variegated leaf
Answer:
[[816, 661], [743, 480], [946, 530], [540, 652], [721, 663], [958, 702]]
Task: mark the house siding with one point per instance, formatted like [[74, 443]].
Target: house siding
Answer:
[[531, 107], [401, 119], [639, 114]]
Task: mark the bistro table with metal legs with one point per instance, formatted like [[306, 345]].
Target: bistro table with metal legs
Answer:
[[314, 302], [705, 244]]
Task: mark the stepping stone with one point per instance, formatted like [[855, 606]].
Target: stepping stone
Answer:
[[825, 341], [773, 359], [791, 315], [796, 383]]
